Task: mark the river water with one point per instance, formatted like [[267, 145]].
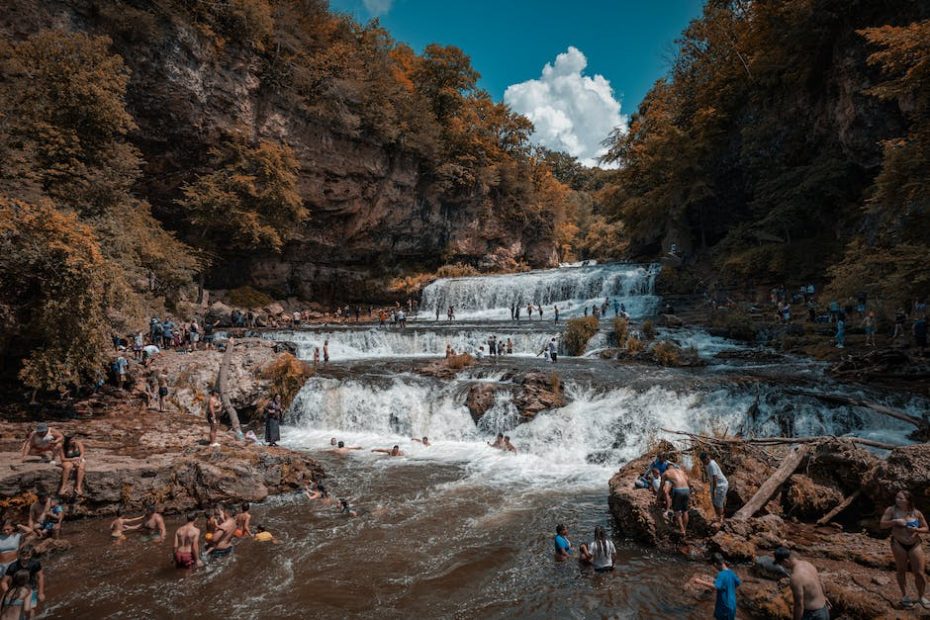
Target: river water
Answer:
[[458, 529]]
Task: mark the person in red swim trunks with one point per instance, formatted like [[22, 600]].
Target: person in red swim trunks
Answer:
[[187, 543]]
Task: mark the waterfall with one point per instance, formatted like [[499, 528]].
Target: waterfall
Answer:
[[570, 288]]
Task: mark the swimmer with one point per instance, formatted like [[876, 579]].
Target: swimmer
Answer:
[[263, 535], [395, 451], [509, 447], [499, 442], [601, 553], [346, 509], [342, 449], [322, 495], [424, 441], [187, 543], [154, 523], [333, 442], [120, 526], [563, 546], [243, 520], [223, 538]]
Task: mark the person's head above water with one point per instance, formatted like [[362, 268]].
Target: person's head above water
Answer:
[[342, 444], [395, 450], [322, 489], [425, 439], [332, 441]]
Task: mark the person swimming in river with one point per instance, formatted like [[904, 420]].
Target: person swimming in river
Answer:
[[120, 526], [154, 524], [263, 535], [223, 538], [347, 510], [509, 447], [342, 449], [563, 546], [499, 442], [187, 543], [601, 553], [395, 451], [424, 441]]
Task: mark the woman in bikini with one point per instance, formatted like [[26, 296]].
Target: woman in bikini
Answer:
[[907, 524], [16, 603]]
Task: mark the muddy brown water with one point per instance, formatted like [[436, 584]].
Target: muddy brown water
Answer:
[[425, 546]]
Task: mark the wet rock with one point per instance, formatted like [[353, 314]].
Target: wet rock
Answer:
[[538, 392], [670, 320], [481, 397], [734, 548], [765, 599]]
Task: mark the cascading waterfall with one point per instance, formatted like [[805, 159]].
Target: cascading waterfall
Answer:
[[570, 288]]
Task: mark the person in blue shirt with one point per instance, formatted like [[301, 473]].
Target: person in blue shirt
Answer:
[[725, 586], [661, 463], [563, 546]]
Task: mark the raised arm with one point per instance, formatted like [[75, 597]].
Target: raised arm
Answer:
[[889, 522]]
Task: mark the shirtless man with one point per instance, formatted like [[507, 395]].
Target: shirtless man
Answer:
[[347, 510], [214, 407], [342, 449], [395, 451], [499, 442], [43, 442], [424, 441], [187, 543], [223, 537], [154, 523], [677, 495], [509, 447], [810, 602]]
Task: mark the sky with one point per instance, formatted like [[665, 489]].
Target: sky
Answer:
[[577, 69]]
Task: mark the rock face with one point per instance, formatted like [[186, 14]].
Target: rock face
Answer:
[[538, 392], [373, 206], [906, 468], [481, 397]]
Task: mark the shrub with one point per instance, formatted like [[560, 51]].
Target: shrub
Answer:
[[458, 362], [621, 330], [667, 353], [248, 297], [578, 332], [634, 346], [286, 375], [649, 330], [458, 270]]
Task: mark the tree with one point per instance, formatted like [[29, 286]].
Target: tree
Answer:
[[250, 198]]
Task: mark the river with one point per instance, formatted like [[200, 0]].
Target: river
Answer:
[[458, 529]]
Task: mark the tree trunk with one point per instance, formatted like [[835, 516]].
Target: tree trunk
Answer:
[[839, 508], [770, 486], [221, 386]]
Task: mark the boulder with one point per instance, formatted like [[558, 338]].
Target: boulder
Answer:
[[219, 312], [274, 309], [481, 397], [906, 468], [670, 320], [538, 392]]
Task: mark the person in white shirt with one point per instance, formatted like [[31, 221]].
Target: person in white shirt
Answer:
[[601, 553], [718, 485]]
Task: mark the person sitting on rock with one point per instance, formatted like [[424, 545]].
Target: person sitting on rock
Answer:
[[71, 457], [214, 408], [45, 517], [677, 495], [42, 442], [395, 451]]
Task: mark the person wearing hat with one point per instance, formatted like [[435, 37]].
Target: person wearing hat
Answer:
[[43, 442]]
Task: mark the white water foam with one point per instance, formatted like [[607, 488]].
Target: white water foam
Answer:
[[570, 288]]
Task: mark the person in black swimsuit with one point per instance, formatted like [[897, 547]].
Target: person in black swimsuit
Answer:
[[907, 524]]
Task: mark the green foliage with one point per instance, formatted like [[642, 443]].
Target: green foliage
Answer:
[[248, 297], [250, 199], [578, 332], [52, 287]]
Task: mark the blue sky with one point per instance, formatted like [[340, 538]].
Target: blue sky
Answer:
[[628, 42]]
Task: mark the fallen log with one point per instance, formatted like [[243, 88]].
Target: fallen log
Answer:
[[839, 508], [774, 441], [770, 486], [221, 386]]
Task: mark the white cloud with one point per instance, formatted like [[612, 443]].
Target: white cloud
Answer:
[[571, 112], [377, 8]]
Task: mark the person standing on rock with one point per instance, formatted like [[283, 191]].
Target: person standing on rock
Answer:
[[43, 441], [529, 312], [907, 524], [187, 543], [162, 389], [316, 356], [553, 351], [810, 602], [511, 311], [214, 407], [326, 351], [273, 413], [718, 485], [556, 310], [677, 495]]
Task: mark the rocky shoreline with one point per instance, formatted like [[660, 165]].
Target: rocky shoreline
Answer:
[[850, 551]]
